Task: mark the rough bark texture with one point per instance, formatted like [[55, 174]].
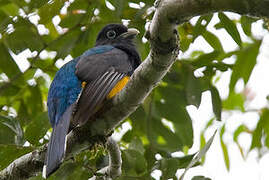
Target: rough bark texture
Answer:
[[163, 53]]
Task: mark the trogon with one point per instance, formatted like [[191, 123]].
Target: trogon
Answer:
[[81, 86]]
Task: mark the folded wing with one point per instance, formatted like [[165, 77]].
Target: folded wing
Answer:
[[101, 72]]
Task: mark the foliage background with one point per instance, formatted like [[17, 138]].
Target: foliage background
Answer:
[[53, 32]]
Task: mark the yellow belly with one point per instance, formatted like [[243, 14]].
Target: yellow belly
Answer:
[[119, 86]]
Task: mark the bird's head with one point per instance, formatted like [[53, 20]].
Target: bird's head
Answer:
[[121, 37], [114, 34]]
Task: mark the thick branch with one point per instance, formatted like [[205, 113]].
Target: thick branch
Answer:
[[161, 57], [26, 166], [178, 11]]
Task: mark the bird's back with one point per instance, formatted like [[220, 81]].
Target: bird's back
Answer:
[[66, 86]]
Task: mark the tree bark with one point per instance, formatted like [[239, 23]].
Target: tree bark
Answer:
[[164, 52]]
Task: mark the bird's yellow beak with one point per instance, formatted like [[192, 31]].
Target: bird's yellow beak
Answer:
[[130, 32]]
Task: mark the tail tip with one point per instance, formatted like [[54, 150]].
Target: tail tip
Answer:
[[44, 172]]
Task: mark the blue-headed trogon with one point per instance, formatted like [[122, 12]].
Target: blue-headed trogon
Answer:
[[83, 84]]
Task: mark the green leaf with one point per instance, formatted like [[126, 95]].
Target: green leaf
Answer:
[[23, 114], [9, 153], [139, 122], [163, 138], [78, 5], [205, 59], [136, 144], [44, 65], [246, 60], [199, 155], [157, 133], [37, 3], [202, 144], [86, 40], [64, 45], [169, 166], [216, 102], [4, 2], [224, 149], [11, 68], [193, 90], [173, 109], [185, 37], [25, 36], [10, 90], [246, 23], [261, 133], [70, 170], [49, 10], [200, 26], [4, 21], [213, 40], [19, 3], [15, 126], [209, 123], [133, 163], [200, 178], [230, 27], [238, 131], [71, 20], [37, 129], [8, 130], [235, 101], [11, 9], [33, 99], [150, 157]]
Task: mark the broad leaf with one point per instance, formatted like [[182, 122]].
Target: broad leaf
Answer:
[[49, 10], [235, 101], [261, 132], [37, 129], [14, 125], [193, 89], [9, 153], [25, 36], [199, 155], [246, 60], [213, 40], [246, 23], [169, 166], [134, 163], [230, 27], [216, 102], [11, 69]]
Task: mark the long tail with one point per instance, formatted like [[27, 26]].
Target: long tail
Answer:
[[57, 144]]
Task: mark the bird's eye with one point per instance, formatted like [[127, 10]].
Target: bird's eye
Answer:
[[111, 34]]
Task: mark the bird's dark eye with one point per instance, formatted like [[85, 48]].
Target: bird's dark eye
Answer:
[[111, 34]]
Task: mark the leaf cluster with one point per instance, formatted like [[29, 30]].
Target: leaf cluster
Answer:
[[52, 31]]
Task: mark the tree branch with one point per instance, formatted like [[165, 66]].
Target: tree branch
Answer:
[[113, 170], [163, 54]]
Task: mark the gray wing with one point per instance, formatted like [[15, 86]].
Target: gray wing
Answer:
[[101, 72], [94, 94], [91, 67]]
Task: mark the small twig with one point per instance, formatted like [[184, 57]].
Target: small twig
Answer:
[[113, 170]]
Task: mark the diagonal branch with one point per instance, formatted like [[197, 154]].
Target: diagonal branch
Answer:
[[163, 54]]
